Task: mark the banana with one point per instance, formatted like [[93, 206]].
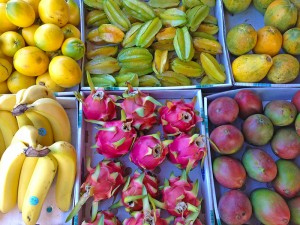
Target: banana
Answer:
[[7, 102], [43, 125], [10, 169], [34, 92], [8, 126], [26, 134], [38, 187], [65, 154], [26, 173], [2, 144], [57, 116], [23, 120]]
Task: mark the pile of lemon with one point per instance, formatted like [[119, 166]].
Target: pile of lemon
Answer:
[[39, 44]]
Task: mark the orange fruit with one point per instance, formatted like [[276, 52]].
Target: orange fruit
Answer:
[[6, 25], [48, 37], [70, 30], [11, 42], [18, 81], [65, 71], [269, 41], [35, 6], [74, 16], [31, 61], [45, 80], [73, 47], [28, 34], [20, 13]]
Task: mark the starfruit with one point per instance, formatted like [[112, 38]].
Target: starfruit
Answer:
[[211, 19], [115, 15], [170, 78], [95, 4], [166, 34], [163, 45], [207, 45], [203, 35], [173, 17], [111, 33], [104, 80], [191, 3], [160, 62], [147, 32], [210, 3], [212, 68], [190, 69], [95, 18], [149, 81], [208, 28], [102, 50], [138, 71], [129, 39], [93, 36], [183, 44], [206, 81], [135, 57], [139, 10], [163, 3], [196, 15], [123, 80], [102, 65]]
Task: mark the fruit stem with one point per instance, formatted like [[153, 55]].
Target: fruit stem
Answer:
[[19, 109], [31, 152]]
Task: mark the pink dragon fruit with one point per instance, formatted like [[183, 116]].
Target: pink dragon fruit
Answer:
[[186, 151], [104, 218], [132, 192], [98, 105], [115, 138], [178, 117], [146, 216], [101, 183], [179, 196], [149, 151], [191, 219], [140, 108]]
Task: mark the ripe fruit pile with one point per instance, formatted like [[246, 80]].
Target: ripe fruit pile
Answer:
[[152, 43], [39, 44], [269, 52], [35, 136], [128, 132], [256, 142]]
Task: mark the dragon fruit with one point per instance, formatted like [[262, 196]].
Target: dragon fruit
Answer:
[[140, 108], [132, 192], [104, 218], [149, 151], [146, 216], [191, 219], [186, 151], [101, 183], [179, 196], [115, 138], [178, 116], [98, 105]]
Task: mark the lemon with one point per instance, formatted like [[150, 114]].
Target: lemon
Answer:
[[65, 71], [5, 69], [48, 37], [45, 80], [11, 42], [3, 88], [20, 13], [31, 61], [17, 81]]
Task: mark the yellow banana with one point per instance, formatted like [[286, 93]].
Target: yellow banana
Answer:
[[43, 125], [10, 169], [23, 120], [38, 187], [26, 172], [57, 116], [33, 93], [2, 144], [19, 95], [65, 154], [8, 126], [7, 102], [26, 134]]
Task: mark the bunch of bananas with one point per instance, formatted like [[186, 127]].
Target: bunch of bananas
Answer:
[[37, 148], [152, 43]]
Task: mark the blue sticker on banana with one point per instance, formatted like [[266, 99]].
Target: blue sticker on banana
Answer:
[[42, 131], [33, 200]]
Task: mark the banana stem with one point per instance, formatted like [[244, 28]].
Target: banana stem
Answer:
[[19, 109], [32, 152]]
